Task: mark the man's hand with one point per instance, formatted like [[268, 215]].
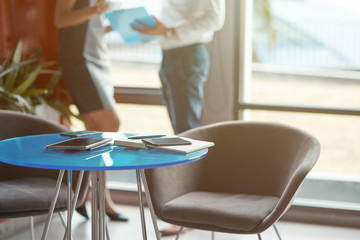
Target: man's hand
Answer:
[[158, 30], [100, 6], [108, 29]]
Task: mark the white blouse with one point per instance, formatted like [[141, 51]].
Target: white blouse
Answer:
[[195, 21]]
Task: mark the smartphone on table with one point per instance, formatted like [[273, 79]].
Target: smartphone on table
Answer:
[[82, 133], [166, 141]]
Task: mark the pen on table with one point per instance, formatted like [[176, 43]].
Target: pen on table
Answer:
[[146, 136]]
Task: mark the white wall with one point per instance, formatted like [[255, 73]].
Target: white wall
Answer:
[[230, 53], [219, 94]]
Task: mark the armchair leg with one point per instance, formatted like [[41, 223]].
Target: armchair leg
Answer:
[[277, 232], [62, 220], [107, 232], [179, 232], [151, 208], [32, 231]]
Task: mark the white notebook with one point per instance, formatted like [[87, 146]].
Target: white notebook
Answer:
[[132, 143], [138, 143]]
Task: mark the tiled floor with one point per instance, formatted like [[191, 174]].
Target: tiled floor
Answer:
[[132, 230]]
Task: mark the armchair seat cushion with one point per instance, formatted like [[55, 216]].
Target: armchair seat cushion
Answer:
[[225, 210], [14, 191]]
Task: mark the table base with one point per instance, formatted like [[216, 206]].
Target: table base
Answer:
[[71, 202], [98, 219]]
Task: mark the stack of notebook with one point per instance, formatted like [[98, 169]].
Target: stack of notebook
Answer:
[[170, 143]]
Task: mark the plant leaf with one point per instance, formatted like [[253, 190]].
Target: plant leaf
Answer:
[[14, 66], [17, 53], [14, 75], [52, 82], [11, 78], [28, 82], [19, 79], [35, 92], [5, 63], [15, 102], [50, 71], [48, 64]]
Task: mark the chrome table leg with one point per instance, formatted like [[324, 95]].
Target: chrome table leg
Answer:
[[52, 205], [94, 207], [75, 198], [98, 220], [101, 200], [148, 199], [68, 227], [142, 215]]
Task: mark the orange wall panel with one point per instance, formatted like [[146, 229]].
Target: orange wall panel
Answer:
[[32, 22]]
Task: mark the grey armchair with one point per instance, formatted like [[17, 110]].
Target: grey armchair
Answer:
[[28, 191], [244, 185]]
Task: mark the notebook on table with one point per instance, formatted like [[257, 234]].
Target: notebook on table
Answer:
[[144, 144]]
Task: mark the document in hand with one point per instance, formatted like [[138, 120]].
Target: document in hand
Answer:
[[121, 21]]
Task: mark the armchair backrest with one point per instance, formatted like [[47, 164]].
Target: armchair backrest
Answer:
[[254, 157], [258, 158], [16, 124]]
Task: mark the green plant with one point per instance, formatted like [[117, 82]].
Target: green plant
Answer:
[[24, 84], [263, 21]]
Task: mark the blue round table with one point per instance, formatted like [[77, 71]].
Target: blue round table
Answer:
[[30, 152]]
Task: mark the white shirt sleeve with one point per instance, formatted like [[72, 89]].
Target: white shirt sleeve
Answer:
[[211, 20]]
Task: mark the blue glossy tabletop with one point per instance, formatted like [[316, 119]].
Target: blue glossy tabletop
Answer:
[[30, 152]]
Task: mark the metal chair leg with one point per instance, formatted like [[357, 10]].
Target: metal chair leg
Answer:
[[32, 231], [277, 232], [179, 232], [52, 205], [212, 235], [62, 220], [151, 208], [107, 232]]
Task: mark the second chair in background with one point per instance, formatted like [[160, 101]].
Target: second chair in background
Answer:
[[244, 185]]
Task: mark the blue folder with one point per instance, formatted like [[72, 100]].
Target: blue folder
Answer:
[[121, 21]]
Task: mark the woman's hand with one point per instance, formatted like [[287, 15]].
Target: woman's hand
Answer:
[[66, 16]]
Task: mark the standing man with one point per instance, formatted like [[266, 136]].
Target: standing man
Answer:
[[187, 26]]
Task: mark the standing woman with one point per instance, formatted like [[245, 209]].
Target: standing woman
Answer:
[[86, 70]]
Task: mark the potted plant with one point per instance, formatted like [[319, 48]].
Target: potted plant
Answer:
[[27, 83]]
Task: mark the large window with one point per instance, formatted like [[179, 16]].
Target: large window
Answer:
[[306, 73]]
